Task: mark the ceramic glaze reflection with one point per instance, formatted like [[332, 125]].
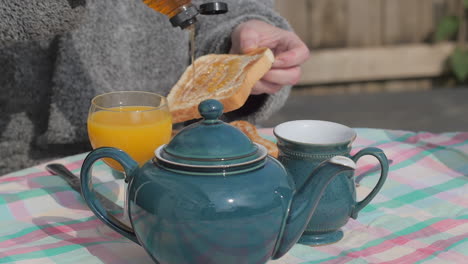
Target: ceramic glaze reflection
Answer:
[[182, 219]]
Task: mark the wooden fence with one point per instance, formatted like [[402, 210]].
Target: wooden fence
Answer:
[[369, 40]]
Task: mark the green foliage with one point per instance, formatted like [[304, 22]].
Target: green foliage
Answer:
[[447, 28], [459, 63]]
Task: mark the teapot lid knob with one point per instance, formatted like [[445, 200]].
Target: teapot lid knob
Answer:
[[211, 110], [210, 143]]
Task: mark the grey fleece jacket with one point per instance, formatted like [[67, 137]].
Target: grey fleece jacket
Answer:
[[55, 55]]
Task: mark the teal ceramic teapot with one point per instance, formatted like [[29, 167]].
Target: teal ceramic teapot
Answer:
[[212, 196]]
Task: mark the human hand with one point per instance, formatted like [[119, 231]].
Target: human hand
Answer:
[[290, 52]]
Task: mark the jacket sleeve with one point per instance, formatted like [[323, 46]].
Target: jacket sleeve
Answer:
[[37, 19], [214, 36]]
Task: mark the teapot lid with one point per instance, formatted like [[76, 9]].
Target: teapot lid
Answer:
[[210, 142]]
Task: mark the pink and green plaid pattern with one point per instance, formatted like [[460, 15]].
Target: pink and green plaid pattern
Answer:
[[420, 215]]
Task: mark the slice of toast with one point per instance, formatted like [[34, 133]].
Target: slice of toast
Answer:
[[227, 78], [251, 131]]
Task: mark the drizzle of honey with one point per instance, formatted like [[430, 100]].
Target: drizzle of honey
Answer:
[[218, 75], [192, 51]]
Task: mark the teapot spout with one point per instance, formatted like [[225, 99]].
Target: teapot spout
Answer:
[[306, 199]]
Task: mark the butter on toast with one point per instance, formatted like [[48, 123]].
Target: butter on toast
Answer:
[[227, 78]]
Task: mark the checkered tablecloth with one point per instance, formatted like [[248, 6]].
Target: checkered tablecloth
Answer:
[[419, 216]]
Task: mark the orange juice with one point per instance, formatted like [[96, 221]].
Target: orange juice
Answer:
[[137, 130]]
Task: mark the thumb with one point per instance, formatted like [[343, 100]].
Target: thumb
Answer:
[[249, 39]]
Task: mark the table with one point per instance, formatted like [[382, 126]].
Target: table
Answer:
[[419, 216]]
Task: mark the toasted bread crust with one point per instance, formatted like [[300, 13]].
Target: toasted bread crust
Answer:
[[232, 98], [251, 131]]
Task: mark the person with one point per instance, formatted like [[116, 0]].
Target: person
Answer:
[[56, 55]]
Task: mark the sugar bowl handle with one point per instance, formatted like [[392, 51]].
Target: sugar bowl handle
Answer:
[[382, 158], [130, 166]]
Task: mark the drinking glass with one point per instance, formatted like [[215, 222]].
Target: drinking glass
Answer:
[[133, 121]]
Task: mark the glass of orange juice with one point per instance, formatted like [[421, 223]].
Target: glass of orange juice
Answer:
[[134, 121]]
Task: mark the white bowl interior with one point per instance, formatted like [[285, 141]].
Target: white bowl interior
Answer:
[[315, 132]]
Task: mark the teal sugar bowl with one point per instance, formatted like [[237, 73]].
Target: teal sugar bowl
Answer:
[[304, 145], [211, 195]]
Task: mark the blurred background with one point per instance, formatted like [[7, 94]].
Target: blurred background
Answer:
[[394, 64]]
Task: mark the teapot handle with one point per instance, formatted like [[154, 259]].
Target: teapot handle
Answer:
[[382, 158], [130, 166]]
